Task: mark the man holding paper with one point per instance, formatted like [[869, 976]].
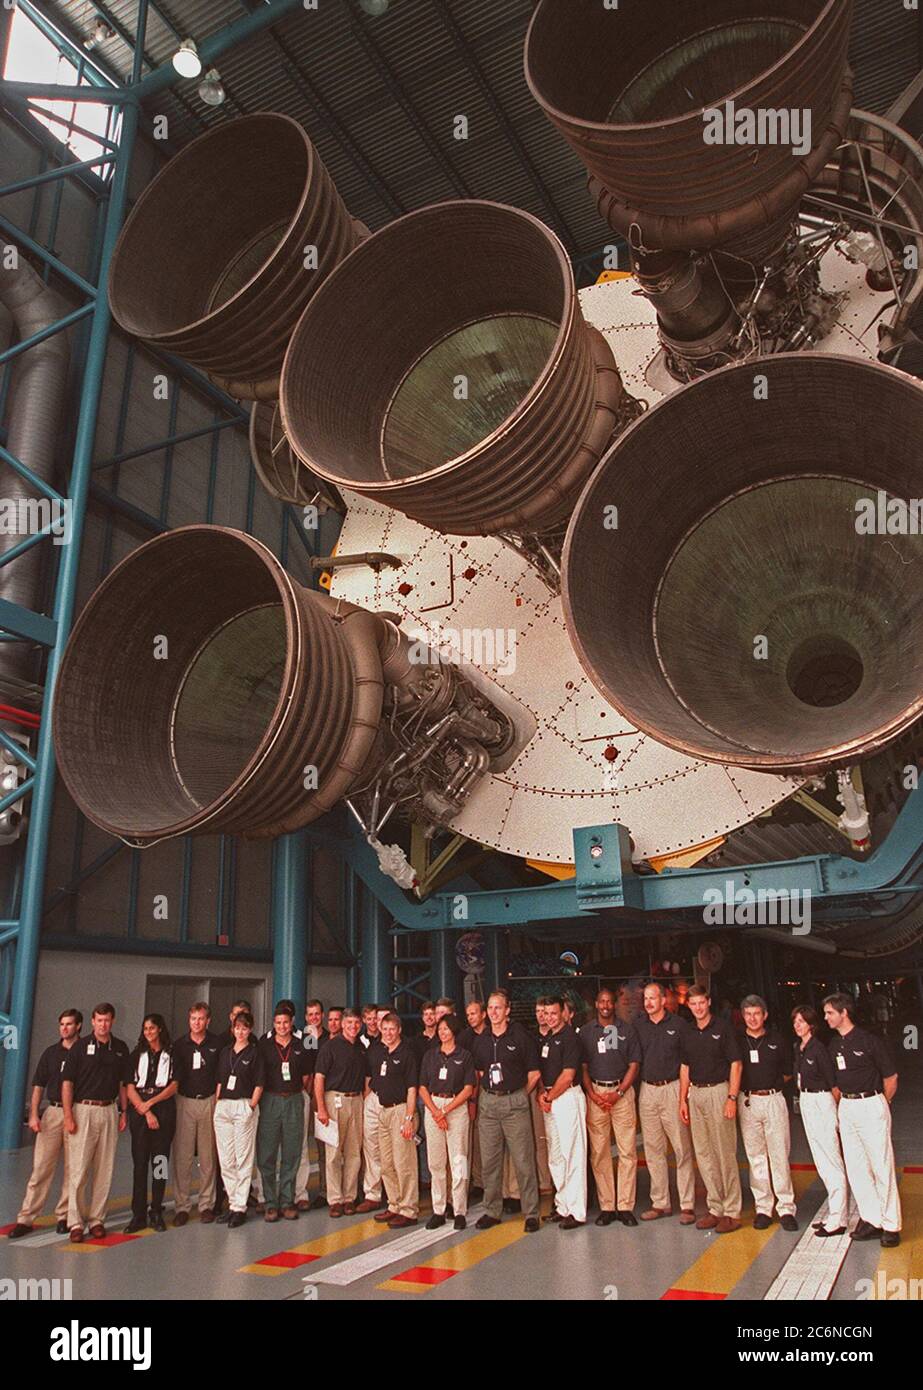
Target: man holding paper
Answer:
[[339, 1082]]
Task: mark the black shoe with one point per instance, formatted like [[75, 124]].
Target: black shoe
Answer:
[[235, 1218], [224, 1216], [62, 1228], [821, 1231], [554, 1216], [605, 1218], [317, 1203], [485, 1222], [157, 1222], [866, 1232], [890, 1238], [532, 1225], [460, 1223], [19, 1230], [435, 1221], [137, 1223], [449, 1209], [512, 1205], [627, 1218], [570, 1223], [788, 1222], [762, 1222]]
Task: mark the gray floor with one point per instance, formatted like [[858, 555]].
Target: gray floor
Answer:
[[206, 1262]]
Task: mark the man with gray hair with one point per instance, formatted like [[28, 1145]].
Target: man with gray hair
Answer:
[[764, 1117]]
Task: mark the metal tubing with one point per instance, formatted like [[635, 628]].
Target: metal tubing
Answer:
[[52, 91], [62, 172], [45, 333], [39, 483], [289, 919], [166, 443]]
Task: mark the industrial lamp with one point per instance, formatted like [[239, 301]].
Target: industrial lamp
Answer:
[[186, 59]]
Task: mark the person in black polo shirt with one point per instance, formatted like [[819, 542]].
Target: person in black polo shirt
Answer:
[[709, 1085], [195, 1067], [476, 1015], [313, 1037], [817, 1107], [94, 1076], [391, 1068], [339, 1086], [447, 1082], [609, 1068], [764, 1117], [151, 1120], [287, 1071], [48, 1129], [237, 1098], [660, 1034], [866, 1084], [563, 1106], [506, 1057]]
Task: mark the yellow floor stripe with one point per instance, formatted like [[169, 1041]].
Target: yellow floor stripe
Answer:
[[329, 1244], [906, 1262], [461, 1257], [727, 1258]]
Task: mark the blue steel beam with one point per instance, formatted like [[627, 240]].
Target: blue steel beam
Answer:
[[167, 443], [289, 914], [55, 91], [20, 237], [32, 627], [210, 49], [15, 1078], [63, 171], [43, 333]]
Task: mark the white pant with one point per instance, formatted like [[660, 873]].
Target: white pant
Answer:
[[865, 1129], [565, 1130], [235, 1136], [818, 1115], [447, 1150], [304, 1167], [371, 1149], [767, 1140]]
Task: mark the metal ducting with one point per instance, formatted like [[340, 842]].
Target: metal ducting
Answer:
[[627, 86], [739, 612], [211, 263], [446, 370], [279, 468]]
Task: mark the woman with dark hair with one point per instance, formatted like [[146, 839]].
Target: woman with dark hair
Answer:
[[817, 1102], [151, 1120], [237, 1106], [448, 1081]]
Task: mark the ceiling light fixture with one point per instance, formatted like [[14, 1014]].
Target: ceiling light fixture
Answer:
[[210, 89], [374, 7], [101, 34], [186, 59]]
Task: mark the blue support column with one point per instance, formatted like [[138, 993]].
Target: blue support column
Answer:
[[290, 909], [374, 951], [495, 972], [444, 978]]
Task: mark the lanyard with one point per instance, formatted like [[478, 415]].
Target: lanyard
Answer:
[[234, 1056]]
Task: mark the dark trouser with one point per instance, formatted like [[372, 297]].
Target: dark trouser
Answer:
[[150, 1148], [281, 1126], [507, 1118]]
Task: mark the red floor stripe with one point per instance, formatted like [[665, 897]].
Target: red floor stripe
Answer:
[[5, 1230], [288, 1259], [677, 1295], [423, 1274], [110, 1240]]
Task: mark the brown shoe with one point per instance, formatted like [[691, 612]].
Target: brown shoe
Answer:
[[271, 1214], [349, 1208], [206, 1217], [336, 1210], [687, 1218], [98, 1232], [655, 1213], [290, 1213], [726, 1225], [706, 1223], [76, 1235], [370, 1206], [397, 1223], [303, 1205], [181, 1218], [384, 1216]]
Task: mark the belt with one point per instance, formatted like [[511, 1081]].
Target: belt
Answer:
[[514, 1092], [284, 1095], [774, 1092], [56, 1103], [814, 1091], [205, 1095], [706, 1085], [605, 1083], [859, 1095], [661, 1083], [392, 1104], [343, 1093], [95, 1102], [443, 1095]]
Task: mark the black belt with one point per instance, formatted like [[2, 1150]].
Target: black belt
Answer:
[[859, 1095], [391, 1104], [706, 1085], [205, 1095], [55, 1102], [284, 1095], [814, 1091], [94, 1102], [603, 1083], [514, 1092], [346, 1093], [668, 1082], [444, 1095], [774, 1092]]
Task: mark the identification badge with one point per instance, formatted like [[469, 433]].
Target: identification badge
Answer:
[[338, 1102], [383, 1069], [496, 1074], [91, 1049], [800, 1082], [286, 1072], [754, 1055], [601, 1047], [231, 1083], [196, 1061], [545, 1050], [443, 1073], [841, 1061]]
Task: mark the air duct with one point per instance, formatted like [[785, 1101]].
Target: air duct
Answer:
[[757, 604], [225, 247], [446, 370], [204, 691]]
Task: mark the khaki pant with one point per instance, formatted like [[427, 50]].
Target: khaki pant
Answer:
[[566, 1128], [658, 1111], [303, 1177], [343, 1161], [542, 1169], [195, 1134], [865, 1131], [235, 1137], [371, 1149], [767, 1140], [399, 1162], [601, 1125], [448, 1147], [474, 1151], [714, 1139], [507, 1120], [49, 1145], [91, 1148]]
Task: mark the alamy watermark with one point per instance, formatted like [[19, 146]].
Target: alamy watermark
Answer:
[[882, 515], [762, 907], [732, 125], [488, 648], [26, 516]]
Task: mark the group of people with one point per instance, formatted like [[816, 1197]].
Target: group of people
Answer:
[[484, 1107]]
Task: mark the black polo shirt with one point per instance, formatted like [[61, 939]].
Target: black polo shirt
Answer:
[[866, 1061], [447, 1073], [421, 1045], [467, 1036], [767, 1072], [284, 1068], [342, 1065], [391, 1073], [96, 1069], [195, 1065], [514, 1053], [558, 1052], [246, 1066], [153, 1076], [661, 1046], [312, 1046], [608, 1051], [814, 1066], [48, 1071], [709, 1052]]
